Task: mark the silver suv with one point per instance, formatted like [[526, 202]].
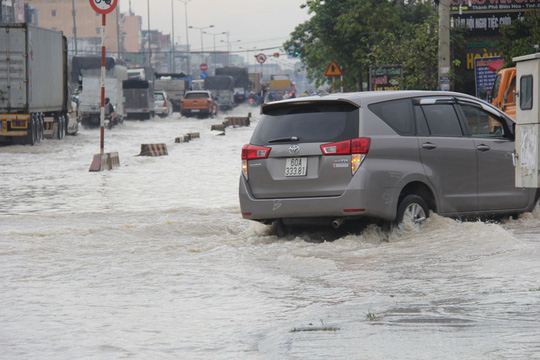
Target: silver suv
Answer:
[[380, 155]]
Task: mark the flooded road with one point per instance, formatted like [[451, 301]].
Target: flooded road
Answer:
[[153, 260]]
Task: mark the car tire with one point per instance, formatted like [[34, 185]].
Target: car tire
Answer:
[[412, 207]]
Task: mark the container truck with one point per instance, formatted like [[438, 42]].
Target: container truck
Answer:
[[242, 84], [222, 89], [34, 84]]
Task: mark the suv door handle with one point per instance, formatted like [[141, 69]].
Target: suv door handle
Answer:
[[429, 146], [483, 147]]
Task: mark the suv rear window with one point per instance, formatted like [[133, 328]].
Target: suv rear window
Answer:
[[307, 122]]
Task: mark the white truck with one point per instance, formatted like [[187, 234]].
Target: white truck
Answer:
[[90, 93], [175, 85], [139, 99], [34, 84]]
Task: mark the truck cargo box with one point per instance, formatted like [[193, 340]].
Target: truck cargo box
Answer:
[[33, 75], [139, 99]]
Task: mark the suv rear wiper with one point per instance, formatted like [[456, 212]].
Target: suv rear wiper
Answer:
[[285, 139]]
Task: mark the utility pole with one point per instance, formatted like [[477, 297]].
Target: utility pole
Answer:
[[74, 24], [118, 43], [188, 70], [148, 35], [172, 39], [444, 45]]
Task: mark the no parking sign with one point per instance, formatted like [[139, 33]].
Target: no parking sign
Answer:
[[103, 6], [261, 58]]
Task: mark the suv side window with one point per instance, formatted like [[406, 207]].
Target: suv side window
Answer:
[[442, 120], [398, 114], [481, 123]]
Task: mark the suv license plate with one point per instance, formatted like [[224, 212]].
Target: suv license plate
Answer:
[[296, 167]]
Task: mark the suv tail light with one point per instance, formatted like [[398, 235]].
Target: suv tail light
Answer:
[[252, 152], [357, 148], [347, 147]]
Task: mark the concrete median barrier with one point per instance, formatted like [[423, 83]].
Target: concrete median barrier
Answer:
[[153, 150], [107, 161]]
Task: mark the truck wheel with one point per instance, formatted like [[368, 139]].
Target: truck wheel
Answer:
[[61, 127], [39, 125], [31, 134]]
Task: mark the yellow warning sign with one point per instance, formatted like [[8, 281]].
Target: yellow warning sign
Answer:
[[333, 70]]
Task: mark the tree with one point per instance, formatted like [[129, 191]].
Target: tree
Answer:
[[415, 48], [520, 37], [359, 33], [318, 41]]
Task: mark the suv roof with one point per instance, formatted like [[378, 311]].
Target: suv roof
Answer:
[[363, 98]]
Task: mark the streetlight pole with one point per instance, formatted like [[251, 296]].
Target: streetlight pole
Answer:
[[172, 40], [201, 30], [188, 64], [214, 54], [248, 62], [229, 48], [148, 35]]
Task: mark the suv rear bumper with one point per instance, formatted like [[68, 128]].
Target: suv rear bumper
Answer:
[[353, 203], [195, 112]]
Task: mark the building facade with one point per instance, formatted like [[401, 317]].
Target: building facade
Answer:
[[80, 24]]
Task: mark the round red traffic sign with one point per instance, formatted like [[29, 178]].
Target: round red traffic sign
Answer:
[[103, 6], [261, 58], [203, 67]]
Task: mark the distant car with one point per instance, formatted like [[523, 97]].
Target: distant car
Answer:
[[162, 107], [199, 103], [386, 155]]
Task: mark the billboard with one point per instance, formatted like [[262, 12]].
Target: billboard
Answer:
[[485, 17], [386, 77], [485, 71]]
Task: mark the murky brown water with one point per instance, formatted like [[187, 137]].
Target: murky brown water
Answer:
[[152, 260]]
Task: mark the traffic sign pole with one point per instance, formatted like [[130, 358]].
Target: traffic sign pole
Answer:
[[334, 70], [102, 84], [103, 161]]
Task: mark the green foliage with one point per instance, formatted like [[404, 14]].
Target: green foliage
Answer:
[[371, 316], [520, 37], [360, 33], [415, 48], [318, 41]]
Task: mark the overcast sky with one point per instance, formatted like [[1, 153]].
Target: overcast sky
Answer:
[[256, 23]]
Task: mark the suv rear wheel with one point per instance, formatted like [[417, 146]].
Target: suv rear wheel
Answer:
[[412, 207]]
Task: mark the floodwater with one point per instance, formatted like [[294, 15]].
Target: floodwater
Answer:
[[153, 261]]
